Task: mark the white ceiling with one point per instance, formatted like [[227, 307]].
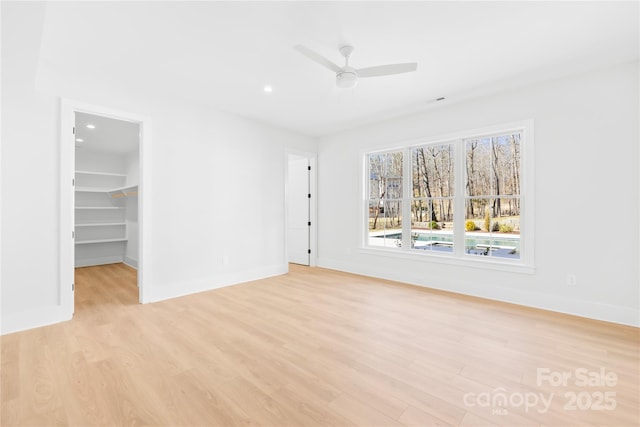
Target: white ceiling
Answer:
[[223, 53]]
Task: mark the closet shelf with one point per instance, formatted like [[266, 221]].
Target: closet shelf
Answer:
[[105, 209], [88, 242], [103, 224], [92, 190], [100, 173], [99, 207], [128, 191]]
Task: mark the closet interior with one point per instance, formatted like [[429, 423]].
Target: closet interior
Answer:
[[107, 166]]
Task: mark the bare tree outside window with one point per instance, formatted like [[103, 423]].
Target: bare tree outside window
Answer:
[[492, 206], [385, 198], [432, 197]]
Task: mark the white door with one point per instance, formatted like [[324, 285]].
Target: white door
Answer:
[[298, 202]]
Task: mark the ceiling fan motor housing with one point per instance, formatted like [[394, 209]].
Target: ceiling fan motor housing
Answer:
[[347, 78], [346, 51]]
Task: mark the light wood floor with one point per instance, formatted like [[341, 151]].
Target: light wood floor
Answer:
[[313, 347]]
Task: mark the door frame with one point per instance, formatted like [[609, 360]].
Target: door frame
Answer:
[[313, 204], [68, 108]]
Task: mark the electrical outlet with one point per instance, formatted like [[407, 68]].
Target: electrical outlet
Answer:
[[225, 259], [572, 280]]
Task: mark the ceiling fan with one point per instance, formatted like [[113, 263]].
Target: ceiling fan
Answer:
[[347, 76]]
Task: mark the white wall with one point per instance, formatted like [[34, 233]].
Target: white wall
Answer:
[[218, 192], [29, 177], [132, 167], [97, 161], [586, 127], [218, 183], [132, 249]]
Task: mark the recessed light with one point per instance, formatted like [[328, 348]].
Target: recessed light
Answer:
[[90, 126], [79, 140], [268, 89]]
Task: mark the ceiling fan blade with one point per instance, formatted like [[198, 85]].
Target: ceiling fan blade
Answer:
[[386, 70], [316, 57]]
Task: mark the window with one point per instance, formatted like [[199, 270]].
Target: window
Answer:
[[492, 202], [432, 201], [385, 199], [463, 197]]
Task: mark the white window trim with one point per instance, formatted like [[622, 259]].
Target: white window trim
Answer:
[[524, 265]]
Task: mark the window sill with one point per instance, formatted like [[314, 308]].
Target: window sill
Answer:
[[516, 266]]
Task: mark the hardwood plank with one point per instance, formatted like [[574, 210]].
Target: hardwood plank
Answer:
[[310, 411], [360, 413], [314, 347], [10, 364], [414, 417]]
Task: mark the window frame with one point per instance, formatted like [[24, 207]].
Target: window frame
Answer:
[[525, 264]]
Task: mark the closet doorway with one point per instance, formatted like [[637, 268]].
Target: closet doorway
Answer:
[[107, 167], [104, 206]]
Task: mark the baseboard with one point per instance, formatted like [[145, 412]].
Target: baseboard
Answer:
[[131, 262], [103, 260], [174, 290], [556, 303], [34, 318]]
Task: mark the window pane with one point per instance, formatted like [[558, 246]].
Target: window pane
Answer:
[[393, 214], [492, 227], [385, 199], [394, 188], [419, 210], [376, 175], [508, 209], [420, 214], [432, 225], [385, 223], [432, 207], [475, 209], [376, 221], [505, 150], [433, 171], [393, 175], [417, 173], [375, 209], [506, 228], [385, 175], [443, 211], [478, 163], [493, 165]]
